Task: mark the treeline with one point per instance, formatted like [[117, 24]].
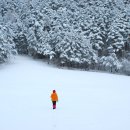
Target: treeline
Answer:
[[86, 34]]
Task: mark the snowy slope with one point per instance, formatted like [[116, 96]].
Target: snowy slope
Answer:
[[87, 100]]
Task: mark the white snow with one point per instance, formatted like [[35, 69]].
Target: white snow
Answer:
[[87, 100]]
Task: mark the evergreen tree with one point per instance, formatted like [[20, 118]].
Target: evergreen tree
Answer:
[[7, 47]]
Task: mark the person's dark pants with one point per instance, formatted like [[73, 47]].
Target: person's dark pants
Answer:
[[54, 104]]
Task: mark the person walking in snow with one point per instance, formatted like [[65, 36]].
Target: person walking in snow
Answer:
[[54, 98]]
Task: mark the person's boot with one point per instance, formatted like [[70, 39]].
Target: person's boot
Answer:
[[54, 106]]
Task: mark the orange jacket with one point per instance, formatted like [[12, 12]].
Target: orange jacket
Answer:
[[54, 97]]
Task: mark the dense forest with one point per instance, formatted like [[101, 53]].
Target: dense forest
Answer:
[[85, 34]]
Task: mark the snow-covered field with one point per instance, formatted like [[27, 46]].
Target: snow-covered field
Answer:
[[87, 100]]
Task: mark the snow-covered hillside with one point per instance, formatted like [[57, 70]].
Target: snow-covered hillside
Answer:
[[87, 100], [90, 34]]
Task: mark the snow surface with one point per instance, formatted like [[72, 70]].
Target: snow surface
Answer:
[[87, 100]]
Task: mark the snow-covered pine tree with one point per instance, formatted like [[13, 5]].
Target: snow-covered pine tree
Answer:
[[7, 46], [110, 63], [39, 41], [125, 66], [73, 50]]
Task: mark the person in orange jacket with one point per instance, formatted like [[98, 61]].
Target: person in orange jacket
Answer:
[[54, 98]]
